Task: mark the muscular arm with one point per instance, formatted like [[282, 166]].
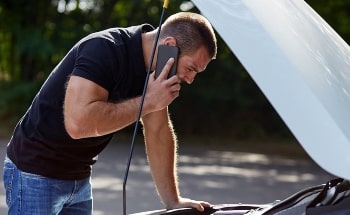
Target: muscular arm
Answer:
[[88, 113], [161, 151], [161, 148]]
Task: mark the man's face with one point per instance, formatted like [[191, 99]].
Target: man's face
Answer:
[[190, 65]]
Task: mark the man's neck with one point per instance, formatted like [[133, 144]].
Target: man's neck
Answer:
[[147, 47]]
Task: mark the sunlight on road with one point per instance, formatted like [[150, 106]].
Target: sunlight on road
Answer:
[[107, 182], [220, 171], [240, 164]]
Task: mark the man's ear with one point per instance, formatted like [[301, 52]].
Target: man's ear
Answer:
[[170, 41]]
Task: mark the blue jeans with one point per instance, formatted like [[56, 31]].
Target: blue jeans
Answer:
[[32, 194]]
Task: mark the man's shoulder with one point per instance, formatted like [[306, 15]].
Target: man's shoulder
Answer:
[[112, 35], [117, 35]]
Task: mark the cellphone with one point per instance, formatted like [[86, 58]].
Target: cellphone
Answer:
[[166, 52]]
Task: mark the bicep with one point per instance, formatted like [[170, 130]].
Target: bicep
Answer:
[[81, 92]]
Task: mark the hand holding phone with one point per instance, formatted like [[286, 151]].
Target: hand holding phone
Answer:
[[166, 52]]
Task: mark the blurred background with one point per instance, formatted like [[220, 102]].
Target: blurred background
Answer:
[[223, 101], [222, 106]]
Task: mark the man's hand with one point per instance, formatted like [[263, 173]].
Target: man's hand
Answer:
[[189, 203], [162, 91]]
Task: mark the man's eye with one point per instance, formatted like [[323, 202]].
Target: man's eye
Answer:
[[190, 70]]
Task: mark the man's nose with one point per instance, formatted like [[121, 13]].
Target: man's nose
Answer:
[[190, 78]]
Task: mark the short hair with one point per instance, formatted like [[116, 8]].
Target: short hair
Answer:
[[191, 31]]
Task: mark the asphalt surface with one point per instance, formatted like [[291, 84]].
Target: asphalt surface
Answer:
[[210, 172]]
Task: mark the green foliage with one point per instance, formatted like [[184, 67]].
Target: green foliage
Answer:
[[35, 35]]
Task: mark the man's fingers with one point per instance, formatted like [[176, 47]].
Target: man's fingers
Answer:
[[166, 69], [198, 205]]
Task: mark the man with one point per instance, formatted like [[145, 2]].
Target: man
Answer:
[[91, 94]]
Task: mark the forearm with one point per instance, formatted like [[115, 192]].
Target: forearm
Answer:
[[161, 152]]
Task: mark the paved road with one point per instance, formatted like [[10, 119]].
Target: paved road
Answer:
[[215, 174]]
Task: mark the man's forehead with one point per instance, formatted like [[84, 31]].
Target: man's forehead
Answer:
[[200, 59]]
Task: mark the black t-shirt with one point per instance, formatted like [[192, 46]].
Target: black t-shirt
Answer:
[[113, 59]]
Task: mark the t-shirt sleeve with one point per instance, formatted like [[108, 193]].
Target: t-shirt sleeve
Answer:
[[96, 60]]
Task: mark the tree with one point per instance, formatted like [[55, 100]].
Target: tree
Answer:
[[35, 36]]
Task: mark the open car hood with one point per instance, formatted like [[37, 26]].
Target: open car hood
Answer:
[[302, 66]]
